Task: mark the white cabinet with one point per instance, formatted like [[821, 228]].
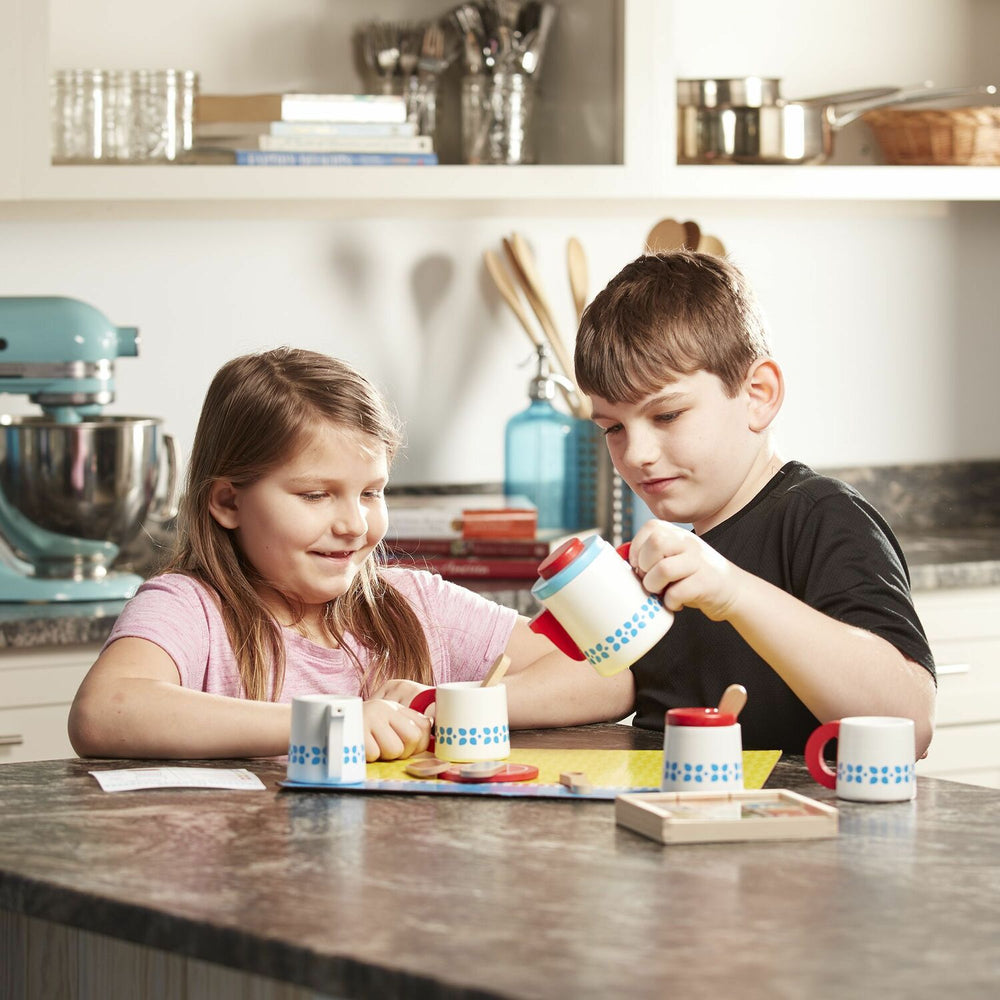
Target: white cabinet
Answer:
[[608, 91], [963, 627], [36, 690]]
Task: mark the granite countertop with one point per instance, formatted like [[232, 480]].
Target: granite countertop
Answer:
[[389, 895]]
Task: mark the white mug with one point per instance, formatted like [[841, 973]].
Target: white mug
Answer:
[[595, 607], [876, 758], [702, 751], [327, 745], [470, 721]]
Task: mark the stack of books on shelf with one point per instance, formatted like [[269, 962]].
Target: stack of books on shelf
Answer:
[[309, 130], [471, 539]]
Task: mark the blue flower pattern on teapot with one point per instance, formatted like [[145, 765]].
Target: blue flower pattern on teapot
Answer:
[[625, 632]]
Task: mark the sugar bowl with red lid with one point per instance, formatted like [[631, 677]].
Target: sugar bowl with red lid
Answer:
[[702, 751]]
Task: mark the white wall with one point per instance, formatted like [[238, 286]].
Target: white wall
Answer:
[[882, 315]]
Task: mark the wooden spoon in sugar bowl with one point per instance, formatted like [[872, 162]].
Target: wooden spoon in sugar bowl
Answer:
[[733, 699]]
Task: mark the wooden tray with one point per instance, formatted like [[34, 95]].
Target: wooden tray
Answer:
[[697, 817]]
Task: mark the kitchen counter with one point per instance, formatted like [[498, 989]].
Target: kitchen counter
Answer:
[[385, 895]]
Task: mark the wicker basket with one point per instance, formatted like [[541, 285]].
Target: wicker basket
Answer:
[[955, 136]]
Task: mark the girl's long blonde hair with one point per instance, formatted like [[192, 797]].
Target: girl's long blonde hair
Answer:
[[257, 410]]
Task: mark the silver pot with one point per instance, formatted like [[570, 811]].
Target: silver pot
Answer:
[[71, 495], [785, 131]]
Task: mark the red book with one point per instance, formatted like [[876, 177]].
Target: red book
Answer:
[[472, 568], [504, 548]]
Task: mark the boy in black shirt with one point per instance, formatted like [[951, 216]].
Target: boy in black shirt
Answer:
[[790, 583]]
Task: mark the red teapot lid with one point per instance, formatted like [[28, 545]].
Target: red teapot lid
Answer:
[[560, 558], [699, 717]]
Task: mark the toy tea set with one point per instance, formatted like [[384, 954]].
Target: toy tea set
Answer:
[[596, 609]]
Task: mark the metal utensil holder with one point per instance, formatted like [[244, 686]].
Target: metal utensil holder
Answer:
[[604, 500]]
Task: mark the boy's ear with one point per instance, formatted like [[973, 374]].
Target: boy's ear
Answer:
[[765, 387], [223, 503]]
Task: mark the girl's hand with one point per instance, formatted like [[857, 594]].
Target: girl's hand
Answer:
[[393, 731], [684, 570], [400, 690]]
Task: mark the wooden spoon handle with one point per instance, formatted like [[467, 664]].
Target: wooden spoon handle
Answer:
[[733, 699], [495, 674]]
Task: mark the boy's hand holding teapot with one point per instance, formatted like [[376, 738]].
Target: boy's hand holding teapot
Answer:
[[684, 570]]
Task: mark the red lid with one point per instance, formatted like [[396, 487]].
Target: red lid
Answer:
[[699, 717], [560, 558]]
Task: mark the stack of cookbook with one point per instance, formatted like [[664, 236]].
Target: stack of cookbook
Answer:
[[310, 130]]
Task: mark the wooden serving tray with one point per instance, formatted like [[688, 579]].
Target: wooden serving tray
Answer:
[[704, 817]]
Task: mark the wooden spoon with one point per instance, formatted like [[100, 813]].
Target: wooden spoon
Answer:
[[495, 674], [666, 235], [733, 699], [712, 245], [576, 260], [508, 290], [523, 265], [692, 235]]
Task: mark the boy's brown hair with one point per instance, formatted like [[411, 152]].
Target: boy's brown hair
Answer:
[[665, 315]]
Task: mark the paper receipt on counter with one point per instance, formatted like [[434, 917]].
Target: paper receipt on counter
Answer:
[[131, 779]]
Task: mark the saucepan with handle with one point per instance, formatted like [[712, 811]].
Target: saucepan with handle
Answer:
[[787, 131]]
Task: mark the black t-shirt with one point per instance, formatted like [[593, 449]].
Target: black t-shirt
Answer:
[[819, 540]]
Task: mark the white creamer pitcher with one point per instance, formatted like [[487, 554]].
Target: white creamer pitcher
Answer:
[[595, 607]]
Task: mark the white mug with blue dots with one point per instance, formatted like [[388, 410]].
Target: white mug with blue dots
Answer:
[[327, 745], [470, 721], [876, 758], [595, 607]]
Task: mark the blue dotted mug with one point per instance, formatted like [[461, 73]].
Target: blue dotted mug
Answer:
[[327, 745], [876, 757], [470, 721]]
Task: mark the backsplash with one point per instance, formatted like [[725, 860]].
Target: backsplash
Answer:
[[930, 498]]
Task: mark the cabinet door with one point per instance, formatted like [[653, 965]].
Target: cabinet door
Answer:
[[963, 627], [36, 690]]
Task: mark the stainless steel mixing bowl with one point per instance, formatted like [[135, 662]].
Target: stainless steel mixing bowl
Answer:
[[71, 495]]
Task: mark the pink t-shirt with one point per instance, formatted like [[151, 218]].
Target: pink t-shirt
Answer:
[[465, 634]]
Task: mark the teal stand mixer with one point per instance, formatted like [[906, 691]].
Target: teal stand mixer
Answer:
[[75, 485]]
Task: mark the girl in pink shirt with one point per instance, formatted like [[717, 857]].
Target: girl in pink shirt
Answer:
[[276, 590]]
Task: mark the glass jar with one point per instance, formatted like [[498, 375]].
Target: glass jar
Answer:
[[162, 121], [122, 115], [497, 114], [76, 101]]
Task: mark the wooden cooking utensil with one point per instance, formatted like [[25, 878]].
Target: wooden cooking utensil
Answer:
[[666, 235], [523, 265], [692, 235], [712, 245], [495, 674], [508, 291], [733, 699], [576, 260]]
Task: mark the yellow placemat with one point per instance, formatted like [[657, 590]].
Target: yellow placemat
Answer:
[[621, 770]]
